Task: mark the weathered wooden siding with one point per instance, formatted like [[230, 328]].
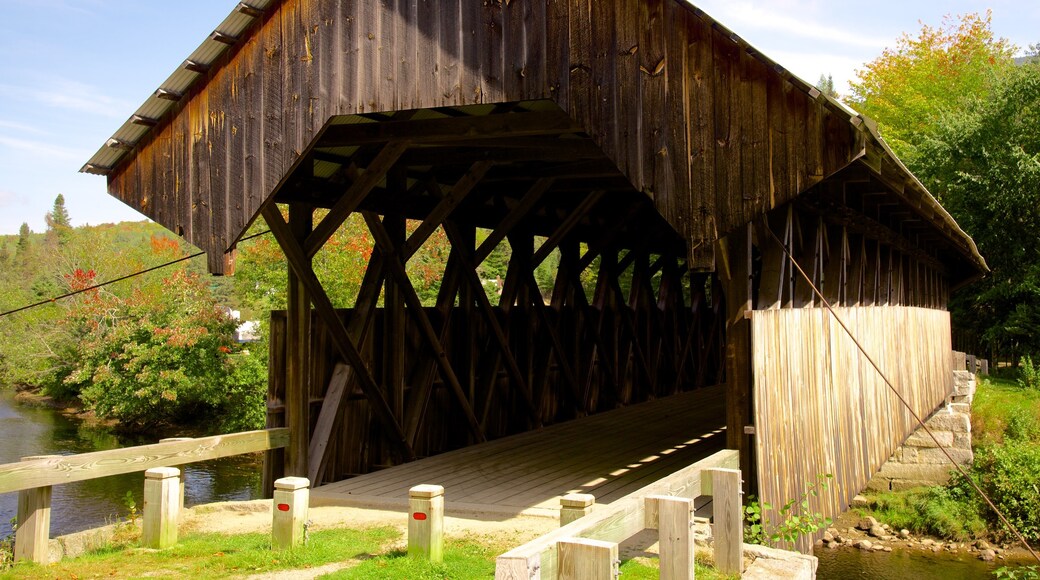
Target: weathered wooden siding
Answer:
[[820, 407], [693, 119]]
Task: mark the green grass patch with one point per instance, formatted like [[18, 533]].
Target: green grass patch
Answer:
[[463, 558], [203, 556], [935, 511], [649, 569], [1000, 403]]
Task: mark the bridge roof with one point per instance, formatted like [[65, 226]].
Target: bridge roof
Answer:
[[645, 103]]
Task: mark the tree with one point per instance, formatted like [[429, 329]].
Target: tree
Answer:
[[59, 229], [826, 86], [984, 164], [1034, 50], [23, 240], [908, 89]]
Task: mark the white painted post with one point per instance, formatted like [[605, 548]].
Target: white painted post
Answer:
[[291, 504], [180, 501], [426, 522], [160, 510], [728, 529], [34, 522], [575, 506], [584, 559], [675, 534]]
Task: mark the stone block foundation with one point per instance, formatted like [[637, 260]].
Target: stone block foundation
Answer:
[[919, 461]]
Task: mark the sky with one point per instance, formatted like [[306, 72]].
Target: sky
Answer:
[[72, 71]]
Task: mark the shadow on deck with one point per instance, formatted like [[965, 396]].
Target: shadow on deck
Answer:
[[608, 455]]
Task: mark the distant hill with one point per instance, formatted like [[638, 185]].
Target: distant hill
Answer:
[[1026, 59]]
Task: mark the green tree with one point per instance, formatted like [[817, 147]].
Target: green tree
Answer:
[[826, 86], [24, 241], [59, 228], [984, 164], [910, 88]]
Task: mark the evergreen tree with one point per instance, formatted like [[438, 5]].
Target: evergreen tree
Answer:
[[826, 86], [58, 227], [23, 240]]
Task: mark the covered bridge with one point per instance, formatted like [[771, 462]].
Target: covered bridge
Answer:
[[640, 139]]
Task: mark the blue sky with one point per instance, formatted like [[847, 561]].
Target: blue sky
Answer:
[[71, 71]]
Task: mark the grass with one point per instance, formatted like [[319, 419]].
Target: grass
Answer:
[[203, 556], [999, 402]]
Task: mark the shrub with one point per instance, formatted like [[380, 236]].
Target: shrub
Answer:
[[793, 522], [1029, 376], [946, 512], [1008, 474]]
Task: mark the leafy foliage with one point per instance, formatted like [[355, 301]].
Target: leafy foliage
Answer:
[[1030, 377], [985, 166], [928, 77], [796, 517], [937, 511]]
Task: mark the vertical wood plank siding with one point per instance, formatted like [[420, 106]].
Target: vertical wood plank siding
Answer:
[[694, 120], [820, 407]]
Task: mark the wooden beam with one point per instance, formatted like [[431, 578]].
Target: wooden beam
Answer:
[[565, 228], [469, 272], [735, 253], [297, 362], [354, 195], [514, 217], [341, 376], [449, 130], [415, 307], [61, 469], [337, 331], [444, 207]]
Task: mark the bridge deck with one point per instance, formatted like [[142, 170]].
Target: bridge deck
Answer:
[[608, 455]]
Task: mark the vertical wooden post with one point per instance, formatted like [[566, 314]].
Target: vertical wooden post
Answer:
[[161, 487], [394, 323], [297, 384], [736, 278], [584, 559], [575, 506], [34, 522], [675, 532], [728, 527], [289, 516], [426, 522], [180, 500]]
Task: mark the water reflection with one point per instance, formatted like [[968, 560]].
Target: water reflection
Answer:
[[87, 504], [900, 565]]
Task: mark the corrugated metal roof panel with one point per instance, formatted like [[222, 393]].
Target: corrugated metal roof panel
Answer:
[[179, 82]]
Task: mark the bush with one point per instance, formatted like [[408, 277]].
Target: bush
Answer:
[[792, 522], [1008, 474], [1029, 376]]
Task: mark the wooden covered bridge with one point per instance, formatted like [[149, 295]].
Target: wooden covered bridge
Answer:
[[664, 159]]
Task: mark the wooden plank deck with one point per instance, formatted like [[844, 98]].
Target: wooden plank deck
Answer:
[[608, 455]]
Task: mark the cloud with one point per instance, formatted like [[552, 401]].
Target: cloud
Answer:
[[21, 127], [776, 18], [43, 149], [70, 95]]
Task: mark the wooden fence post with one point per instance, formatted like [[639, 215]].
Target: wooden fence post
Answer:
[[426, 522], [34, 522], [575, 506], [291, 503], [728, 527], [180, 501], [161, 486], [675, 533], [584, 559]]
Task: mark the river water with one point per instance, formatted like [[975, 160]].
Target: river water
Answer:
[[87, 504], [846, 564]]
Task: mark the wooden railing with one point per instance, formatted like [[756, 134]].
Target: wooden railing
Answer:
[[33, 477], [665, 505]]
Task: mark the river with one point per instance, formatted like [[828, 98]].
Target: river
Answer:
[[87, 504]]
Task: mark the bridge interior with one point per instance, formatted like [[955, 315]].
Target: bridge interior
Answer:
[[608, 455]]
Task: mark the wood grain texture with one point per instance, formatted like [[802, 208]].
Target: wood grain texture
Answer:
[[811, 384], [70, 468]]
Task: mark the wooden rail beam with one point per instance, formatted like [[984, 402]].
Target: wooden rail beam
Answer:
[[84, 466]]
